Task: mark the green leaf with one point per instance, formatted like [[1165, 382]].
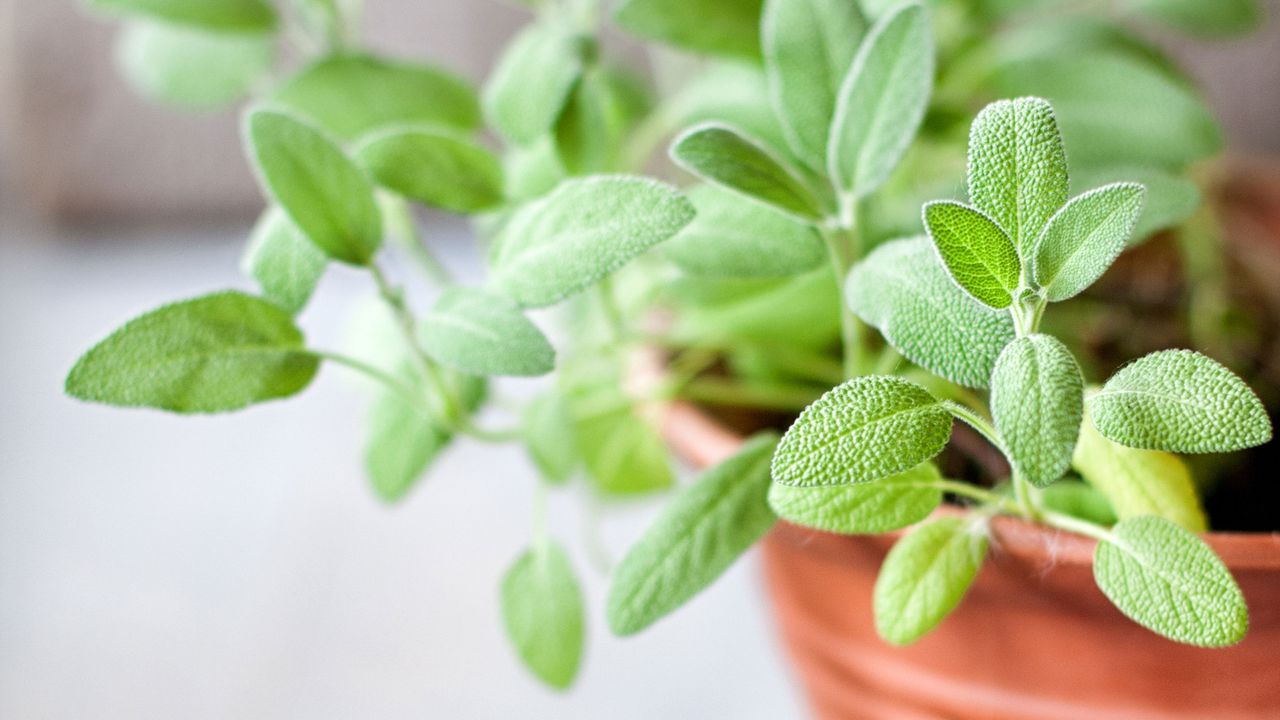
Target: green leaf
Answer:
[[704, 529], [543, 611], [191, 68], [435, 167], [326, 196], [484, 334], [722, 155], [866, 429], [801, 311], [1204, 19], [1037, 400], [533, 171], [1139, 482], [214, 353], [547, 428], [734, 237], [715, 27], [882, 101], [1085, 237], [728, 93], [977, 253], [353, 94], [888, 504], [604, 106], [1180, 401], [1080, 499], [902, 290], [532, 82], [224, 15], [808, 47], [621, 449], [1017, 168], [286, 265], [1170, 582], [925, 576], [1170, 199], [581, 233]]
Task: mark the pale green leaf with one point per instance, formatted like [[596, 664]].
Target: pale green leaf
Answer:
[[590, 131], [620, 446], [484, 334], [722, 155], [801, 311], [1085, 237], [245, 16], [887, 504], [925, 576], [285, 264], [728, 93], [532, 82], [1037, 400], [734, 237], [533, 170], [977, 253], [1080, 499], [546, 426], [192, 68], [1170, 199], [1204, 19], [715, 27], [436, 167], [542, 608]]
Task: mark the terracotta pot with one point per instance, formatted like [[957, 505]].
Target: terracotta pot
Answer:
[[1034, 638]]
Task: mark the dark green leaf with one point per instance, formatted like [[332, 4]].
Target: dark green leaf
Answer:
[[435, 167], [977, 253], [724, 156]]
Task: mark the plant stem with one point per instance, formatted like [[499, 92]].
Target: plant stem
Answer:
[[1076, 525], [1026, 495], [841, 237], [977, 422], [982, 495], [393, 383]]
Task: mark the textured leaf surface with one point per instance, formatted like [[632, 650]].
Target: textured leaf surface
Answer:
[[1180, 401], [531, 83], [1085, 237], [286, 265], [863, 430], [722, 155], [192, 68], [434, 167], [1037, 400], [704, 529], [887, 504], [734, 237], [1170, 582], [1170, 199], [925, 576], [546, 426], [716, 27], [542, 608], [485, 334], [326, 196], [582, 232], [224, 15], [882, 100], [976, 252], [214, 353]]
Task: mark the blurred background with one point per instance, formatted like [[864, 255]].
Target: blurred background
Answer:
[[238, 566]]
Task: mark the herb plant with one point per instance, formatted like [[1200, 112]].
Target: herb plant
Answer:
[[814, 128]]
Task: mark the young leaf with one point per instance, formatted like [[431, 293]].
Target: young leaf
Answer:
[[716, 27], [484, 334], [866, 429], [1017, 168], [189, 67], [704, 529], [1081, 500], [622, 452], [722, 155], [808, 46], [1180, 401], [214, 353], [903, 290], [925, 576], [286, 265], [1170, 199], [1085, 237], [1170, 582], [531, 83], [547, 428], [734, 237], [604, 105], [888, 504], [326, 196], [582, 232], [978, 254], [542, 608], [435, 167], [1204, 19], [728, 92], [224, 16], [882, 100], [1037, 399]]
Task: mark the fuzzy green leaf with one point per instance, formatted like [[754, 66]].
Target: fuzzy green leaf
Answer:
[[224, 16], [977, 253], [484, 334], [728, 92], [1219, 18], [704, 529], [604, 106], [1170, 582], [902, 289], [286, 265], [734, 237], [1037, 400], [1085, 237], [1170, 199], [542, 608], [326, 196], [532, 82], [582, 232], [1180, 401], [546, 426], [214, 353], [192, 68], [722, 155], [435, 167], [715, 27], [801, 311], [866, 429], [882, 100], [887, 504], [925, 576], [621, 450]]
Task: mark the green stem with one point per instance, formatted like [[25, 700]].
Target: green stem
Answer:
[[981, 495], [841, 237], [408, 331], [1026, 496], [393, 383], [977, 422], [1076, 525]]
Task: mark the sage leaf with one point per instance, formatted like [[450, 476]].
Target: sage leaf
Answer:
[[1085, 237], [801, 311], [533, 171], [604, 106], [715, 27], [887, 504], [286, 265], [214, 353], [728, 93], [1037, 400], [582, 232], [1080, 499], [925, 576], [703, 530], [326, 196], [882, 100], [1215, 19], [531, 82], [1180, 401], [1017, 168], [191, 68], [484, 334], [1170, 582], [621, 450], [902, 290], [546, 426], [542, 609], [1170, 199], [866, 429], [731, 236], [722, 155], [245, 16], [977, 253], [435, 167]]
